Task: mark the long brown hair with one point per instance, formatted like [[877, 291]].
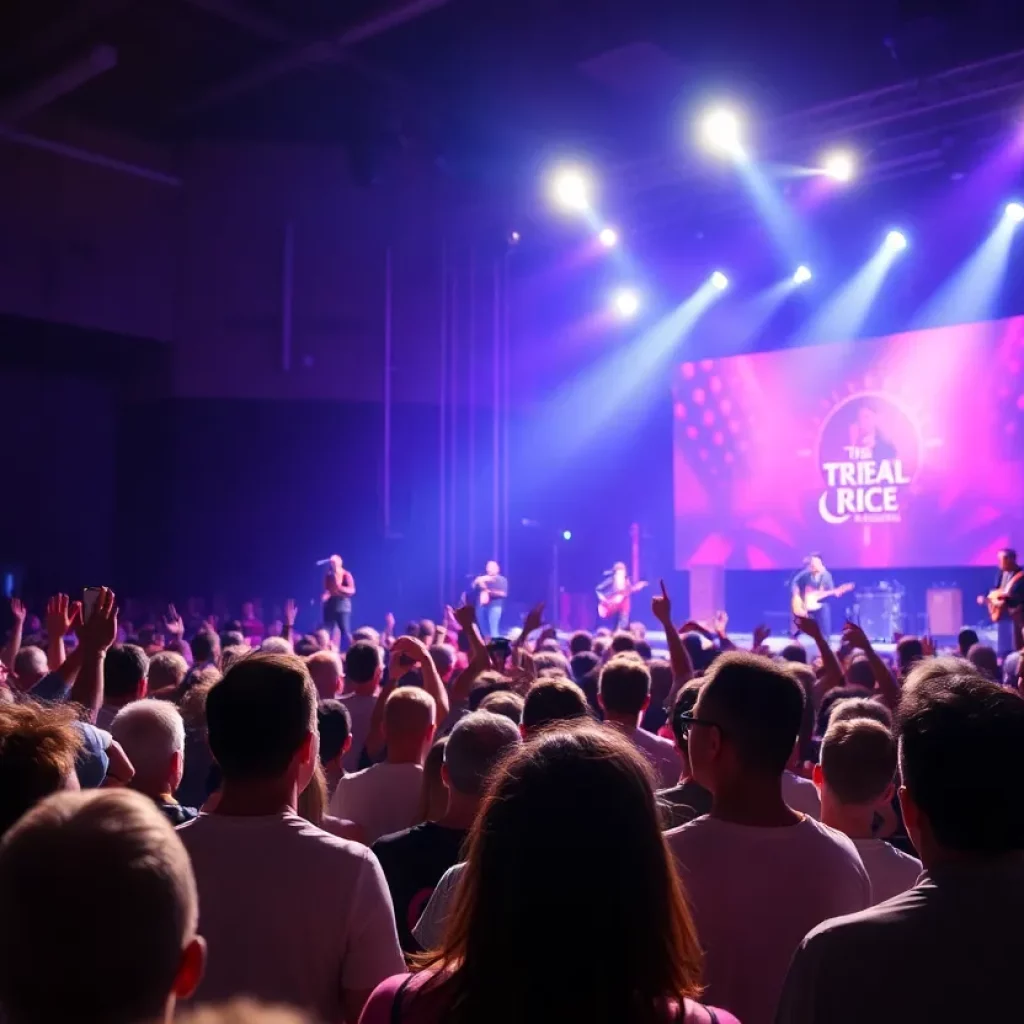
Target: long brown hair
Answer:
[[569, 907]]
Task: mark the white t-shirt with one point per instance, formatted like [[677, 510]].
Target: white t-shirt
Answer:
[[662, 754], [755, 894], [429, 929], [360, 709], [891, 871], [801, 794], [383, 799], [290, 914]]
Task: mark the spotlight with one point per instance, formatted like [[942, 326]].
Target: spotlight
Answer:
[[608, 237], [719, 281], [567, 535], [1015, 212], [720, 132], [801, 275], [839, 165], [895, 241], [626, 303], [514, 237], [570, 189]]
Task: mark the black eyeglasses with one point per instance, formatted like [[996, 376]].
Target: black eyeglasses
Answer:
[[684, 721]]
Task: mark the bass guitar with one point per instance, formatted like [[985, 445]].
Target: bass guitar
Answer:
[[613, 603]]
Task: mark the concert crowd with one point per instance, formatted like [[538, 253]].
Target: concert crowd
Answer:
[[231, 821]]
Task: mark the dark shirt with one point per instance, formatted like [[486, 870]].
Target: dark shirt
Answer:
[[175, 813], [497, 583], [807, 580], [1015, 595], [413, 862], [683, 803]]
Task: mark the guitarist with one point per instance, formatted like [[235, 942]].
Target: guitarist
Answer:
[[1006, 603], [614, 593], [814, 576]]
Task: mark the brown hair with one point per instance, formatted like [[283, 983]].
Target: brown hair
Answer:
[[858, 760], [38, 747], [553, 700], [538, 803], [624, 686]]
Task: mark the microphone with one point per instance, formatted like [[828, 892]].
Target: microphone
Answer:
[[324, 561]]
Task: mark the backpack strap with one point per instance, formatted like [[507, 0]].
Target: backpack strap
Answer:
[[396, 1005]]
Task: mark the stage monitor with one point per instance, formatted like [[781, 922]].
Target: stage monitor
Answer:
[[903, 451]]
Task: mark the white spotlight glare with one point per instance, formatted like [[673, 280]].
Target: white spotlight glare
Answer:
[[608, 237], [840, 165], [719, 281], [626, 302], [801, 275], [570, 189], [895, 241], [720, 132], [1014, 212]]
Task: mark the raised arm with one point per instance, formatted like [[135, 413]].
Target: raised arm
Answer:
[[884, 680], [94, 639], [13, 645], [61, 615], [682, 667], [830, 663]]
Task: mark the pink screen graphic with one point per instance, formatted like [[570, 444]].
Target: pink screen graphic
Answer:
[[892, 452]]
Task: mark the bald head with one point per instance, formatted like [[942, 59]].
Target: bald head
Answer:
[[475, 746], [148, 954]]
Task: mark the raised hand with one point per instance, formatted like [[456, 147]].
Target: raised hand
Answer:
[[720, 621], [805, 624], [18, 610], [389, 623], [100, 631], [661, 606], [291, 609], [761, 633], [414, 649], [534, 619], [61, 615], [173, 622], [855, 636], [465, 616]]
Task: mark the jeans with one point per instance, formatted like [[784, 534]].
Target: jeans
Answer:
[[492, 613], [338, 615], [1004, 636]]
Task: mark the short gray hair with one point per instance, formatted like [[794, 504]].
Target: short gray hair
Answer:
[[31, 661], [276, 645], [476, 744], [150, 731]]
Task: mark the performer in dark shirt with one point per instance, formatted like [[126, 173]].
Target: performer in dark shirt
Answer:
[[808, 597], [1007, 601], [490, 591]]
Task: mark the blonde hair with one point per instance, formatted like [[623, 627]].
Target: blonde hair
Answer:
[[409, 710], [122, 847]]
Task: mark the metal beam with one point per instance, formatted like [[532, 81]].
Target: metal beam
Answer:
[[71, 77], [305, 54]]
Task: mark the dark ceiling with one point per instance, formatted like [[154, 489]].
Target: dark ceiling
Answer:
[[471, 80]]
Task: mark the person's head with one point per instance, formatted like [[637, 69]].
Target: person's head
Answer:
[[206, 648], [622, 642], [176, 645], [125, 674], [553, 700], [965, 640], [426, 630], [619, 572], [433, 791], [410, 717], [624, 689], [986, 661], [152, 735], [335, 724], [129, 871], [643, 648], [492, 568], [504, 702], [443, 657], [579, 642], [231, 638], [362, 667], [747, 720], [365, 634], [850, 708], [582, 663], [29, 667], [166, 671], [328, 677], [909, 651], [192, 703], [961, 755], [858, 672], [1007, 559], [856, 769], [306, 645], [38, 747], [550, 663], [475, 745], [244, 1011], [832, 699], [523, 930], [261, 722], [794, 652], [816, 563], [276, 645], [686, 698]]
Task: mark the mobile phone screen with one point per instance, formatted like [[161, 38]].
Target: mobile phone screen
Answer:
[[89, 598]]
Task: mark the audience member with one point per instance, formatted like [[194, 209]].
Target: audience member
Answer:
[[855, 777], [965, 640], [624, 694], [688, 799], [384, 798], [291, 913], [759, 874], [152, 735], [335, 725], [986, 661], [580, 642], [29, 667], [99, 913], [414, 860], [550, 701], [125, 678], [313, 804], [524, 936], [328, 675], [433, 791], [950, 948], [201, 775], [167, 671], [795, 652], [205, 650], [244, 1011], [504, 702], [363, 671]]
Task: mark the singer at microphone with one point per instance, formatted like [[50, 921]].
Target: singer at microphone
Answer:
[[339, 589]]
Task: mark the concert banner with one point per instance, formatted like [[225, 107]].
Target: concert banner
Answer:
[[903, 451]]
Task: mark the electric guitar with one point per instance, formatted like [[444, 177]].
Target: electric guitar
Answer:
[[813, 599], [995, 599], [613, 603]]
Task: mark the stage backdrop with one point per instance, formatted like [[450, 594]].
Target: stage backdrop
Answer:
[[899, 451]]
